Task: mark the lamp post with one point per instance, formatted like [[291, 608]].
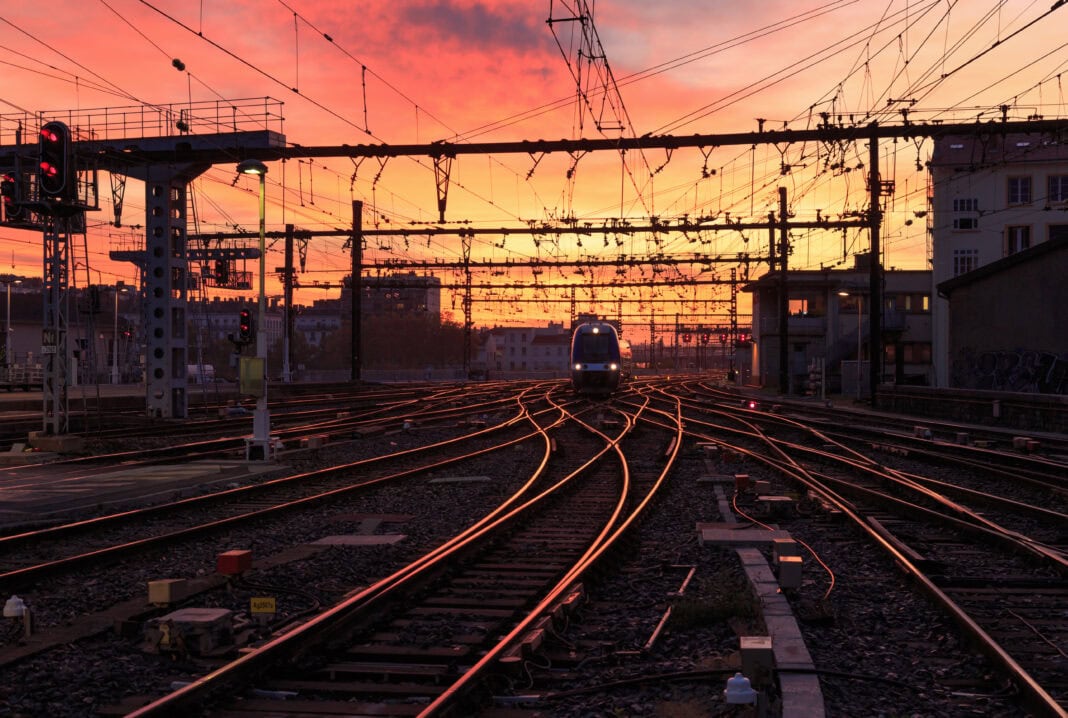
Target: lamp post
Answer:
[[844, 293], [119, 288], [261, 417]]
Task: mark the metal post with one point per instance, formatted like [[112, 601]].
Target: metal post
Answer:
[[875, 277], [287, 305], [356, 341], [261, 420], [7, 329], [115, 341], [860, 298], [261, 417], [784, 300]]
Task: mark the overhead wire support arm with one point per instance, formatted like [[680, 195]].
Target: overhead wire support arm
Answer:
[[442, 169], [833, 133]]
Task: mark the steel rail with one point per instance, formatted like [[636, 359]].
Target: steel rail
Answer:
[[1034, 694], [324, 626]]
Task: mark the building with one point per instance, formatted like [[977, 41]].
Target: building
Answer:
[[527, 351], [1016, 345], [318, 321], [993, 196], [217, 320], [409, 294], [828, 338]]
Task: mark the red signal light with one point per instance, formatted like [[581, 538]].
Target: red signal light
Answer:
[[56, 172], [7, 187], [244, 325]]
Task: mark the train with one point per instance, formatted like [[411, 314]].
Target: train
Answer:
[[600, 360]]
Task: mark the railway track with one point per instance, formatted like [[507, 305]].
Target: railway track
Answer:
[[1002, 586], [70, 546], [482, 599], [463, 620]]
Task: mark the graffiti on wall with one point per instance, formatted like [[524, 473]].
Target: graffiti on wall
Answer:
[[1020, 370]]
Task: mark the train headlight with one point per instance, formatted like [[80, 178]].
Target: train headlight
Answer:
[[577, 367], [613, 366]]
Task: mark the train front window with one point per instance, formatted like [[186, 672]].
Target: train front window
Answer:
[[596, 347]]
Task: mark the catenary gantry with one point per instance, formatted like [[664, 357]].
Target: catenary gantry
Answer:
[[167, 161]]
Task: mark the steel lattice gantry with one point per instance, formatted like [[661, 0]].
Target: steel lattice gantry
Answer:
[[166, 272], [165, 259], [56, 372]]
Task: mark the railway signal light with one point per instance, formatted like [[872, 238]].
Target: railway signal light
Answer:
[[55, 175], [9, 191], [222, 272], [245, 328]]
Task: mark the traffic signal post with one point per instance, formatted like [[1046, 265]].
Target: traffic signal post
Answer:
[[258, 446]]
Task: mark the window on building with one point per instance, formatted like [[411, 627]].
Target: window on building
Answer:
[[1058, 188], [916, 303], [1058, 231], [1017, 239], [966, 209], [965, 260], [1019, 190], [809, 305]]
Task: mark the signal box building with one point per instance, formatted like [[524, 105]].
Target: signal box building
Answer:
[[828, 335], [1007, 322], [995, 196]]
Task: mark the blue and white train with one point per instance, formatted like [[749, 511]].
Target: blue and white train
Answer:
[[600, 360]]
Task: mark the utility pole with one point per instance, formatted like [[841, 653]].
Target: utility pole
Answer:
[[287, 307], [356, 349], [875, 277], [784, 302]]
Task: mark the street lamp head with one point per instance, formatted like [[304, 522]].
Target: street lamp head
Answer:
[[252, 167], [843, 293]]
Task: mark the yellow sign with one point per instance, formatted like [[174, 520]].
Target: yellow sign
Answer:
[[251, 376], [263, 604]]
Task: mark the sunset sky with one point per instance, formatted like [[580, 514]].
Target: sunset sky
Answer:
[[464, 71]]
